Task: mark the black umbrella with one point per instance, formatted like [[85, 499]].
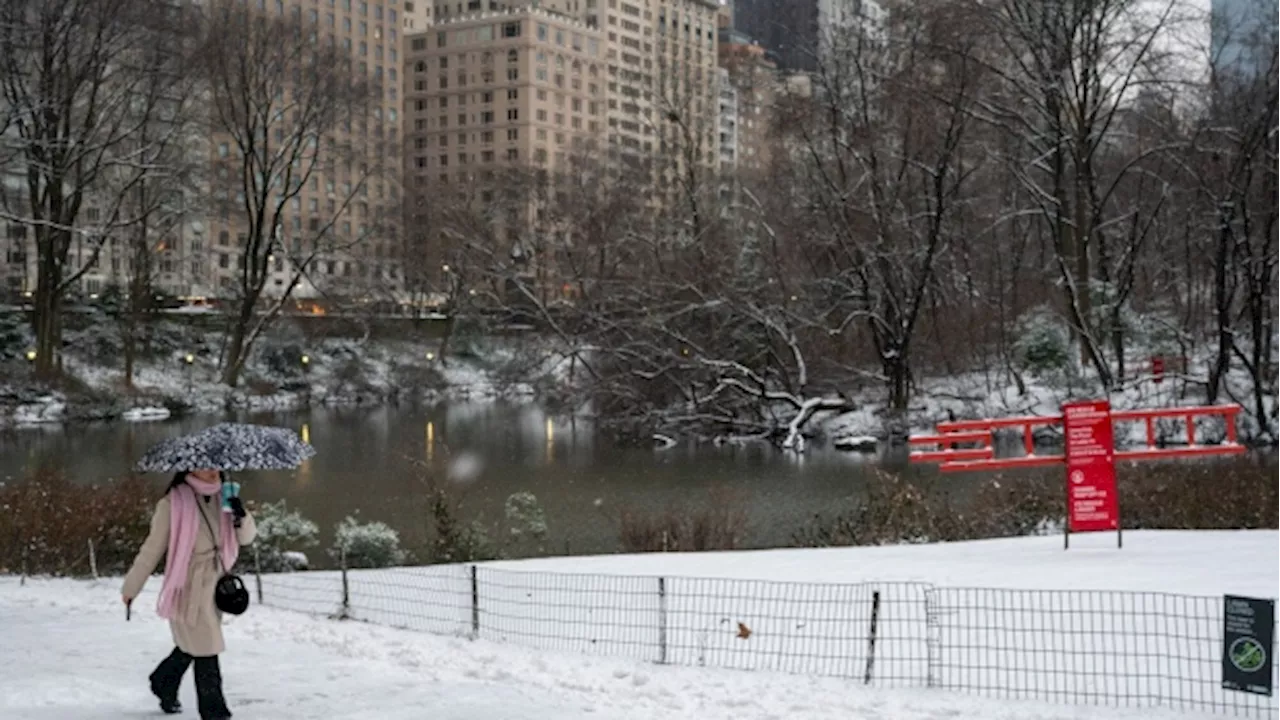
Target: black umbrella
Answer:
[[231, 447]]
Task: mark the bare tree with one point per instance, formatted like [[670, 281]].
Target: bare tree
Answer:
[[886, 167], [78, 88], [1068, 70], [294, 113]]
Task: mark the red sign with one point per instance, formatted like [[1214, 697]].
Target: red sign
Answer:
[[1091, 472], [1157, 369]]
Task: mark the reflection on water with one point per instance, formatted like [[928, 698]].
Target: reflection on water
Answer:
[[377, 463]]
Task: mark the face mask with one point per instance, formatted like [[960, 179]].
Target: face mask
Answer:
[[229, 490]]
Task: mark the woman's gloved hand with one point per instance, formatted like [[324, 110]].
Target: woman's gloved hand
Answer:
[[237, 508]]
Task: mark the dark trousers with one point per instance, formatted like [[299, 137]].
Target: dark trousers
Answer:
[[168, 677]]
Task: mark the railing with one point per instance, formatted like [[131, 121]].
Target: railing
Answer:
[[1088, 647]]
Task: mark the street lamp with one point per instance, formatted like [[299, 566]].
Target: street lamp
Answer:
[[190, 361], [430, 356], [31, 356], [306, 363]]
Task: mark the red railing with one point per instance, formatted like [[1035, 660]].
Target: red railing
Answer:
[[955, 459]]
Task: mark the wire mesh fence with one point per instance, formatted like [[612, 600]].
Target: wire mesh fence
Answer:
[[1086, 647]]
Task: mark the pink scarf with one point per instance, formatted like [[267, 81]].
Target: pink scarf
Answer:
[[184, 524]]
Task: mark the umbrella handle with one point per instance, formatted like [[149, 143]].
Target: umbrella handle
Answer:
[[128, 611]]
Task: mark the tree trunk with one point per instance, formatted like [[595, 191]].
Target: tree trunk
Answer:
[[48, 307], [1223, 290], [234, 362]]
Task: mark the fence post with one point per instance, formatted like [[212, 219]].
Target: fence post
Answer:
[[871, 636], [475, 605], [257, 571], [932, 638], [662, 621], [93, 561], [346, 588]]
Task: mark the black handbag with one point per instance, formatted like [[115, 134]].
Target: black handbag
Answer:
[[229, 593]]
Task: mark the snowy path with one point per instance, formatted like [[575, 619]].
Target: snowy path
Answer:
[[283, 666]]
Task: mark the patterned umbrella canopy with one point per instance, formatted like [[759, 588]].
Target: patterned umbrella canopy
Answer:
[[228, 446]]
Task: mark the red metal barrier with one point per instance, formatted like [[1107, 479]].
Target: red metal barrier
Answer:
[[961, 460], [1089, 452]]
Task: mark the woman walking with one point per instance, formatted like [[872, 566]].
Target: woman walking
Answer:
[[200, 542]]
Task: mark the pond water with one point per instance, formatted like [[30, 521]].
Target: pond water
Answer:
[[378, 463]]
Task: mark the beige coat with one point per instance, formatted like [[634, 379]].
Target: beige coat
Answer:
[[197, 630]]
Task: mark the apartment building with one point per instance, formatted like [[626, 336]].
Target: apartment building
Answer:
[[756, 84], [202, 251], [495, 99]]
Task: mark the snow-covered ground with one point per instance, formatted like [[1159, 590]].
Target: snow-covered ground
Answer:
[[1188, 562], [68, 653]]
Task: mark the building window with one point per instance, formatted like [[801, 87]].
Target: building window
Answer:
[[513, 55], [511, 30], [513, 134], [513, 94], [513, 114]]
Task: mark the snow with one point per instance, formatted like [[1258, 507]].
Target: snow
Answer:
[[856, 443], [145, 414], [45, 410], [1191, 562], [287, 666]]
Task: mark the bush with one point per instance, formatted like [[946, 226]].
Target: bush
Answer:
[[450, 540], [47, 523], [282, 534], [366, 545], [1042, 344], [719, 523], [1207, 495]]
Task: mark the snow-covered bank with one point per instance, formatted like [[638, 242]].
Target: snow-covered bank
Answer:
[[992, 395], [283, 375], [69, 655]]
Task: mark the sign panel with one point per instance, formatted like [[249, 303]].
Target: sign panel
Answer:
[[1092, 505], [1157, 369], [1248, 634]]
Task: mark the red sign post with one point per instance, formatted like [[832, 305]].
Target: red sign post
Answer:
[[1090, 456], [1092, 503]]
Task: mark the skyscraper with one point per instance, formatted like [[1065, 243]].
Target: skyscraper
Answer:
[[796, 31], [1243, 35]]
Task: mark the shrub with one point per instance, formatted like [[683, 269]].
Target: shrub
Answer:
[[366, 545], [47, 524], [1230, 494], [525, 518], [719, 523], [1042, 344], [282, 534], [451, 541]]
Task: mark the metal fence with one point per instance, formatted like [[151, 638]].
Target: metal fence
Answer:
[[1086, 647]]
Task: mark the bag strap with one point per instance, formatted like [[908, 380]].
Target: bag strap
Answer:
[[217, 552]]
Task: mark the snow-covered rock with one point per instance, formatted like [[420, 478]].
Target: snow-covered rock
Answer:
[[46, 409], [145, 414], [855, 443]]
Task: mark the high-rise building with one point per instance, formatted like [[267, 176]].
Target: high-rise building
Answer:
[[797, 32], [756, 85], [202, 251], [496, 86], [1243, 36], [495, 101]]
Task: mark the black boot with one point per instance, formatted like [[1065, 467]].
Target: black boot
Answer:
[[167, 678], [213, 706]]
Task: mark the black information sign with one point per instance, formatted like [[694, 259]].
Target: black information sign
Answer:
[[1248, 634]]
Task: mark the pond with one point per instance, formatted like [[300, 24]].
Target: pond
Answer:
[[377, 463]]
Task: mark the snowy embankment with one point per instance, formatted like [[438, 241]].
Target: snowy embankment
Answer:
[[335, 372], [993, 395], [287, 666]]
